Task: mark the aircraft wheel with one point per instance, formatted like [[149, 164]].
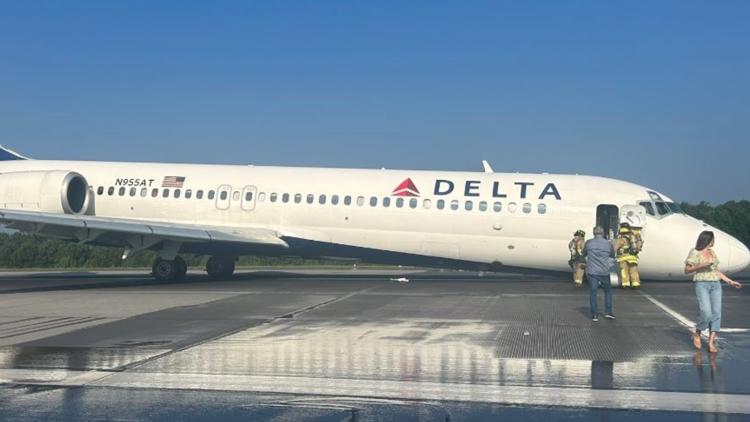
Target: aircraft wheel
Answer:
[[220, 267], [164, 269], [181, 268]]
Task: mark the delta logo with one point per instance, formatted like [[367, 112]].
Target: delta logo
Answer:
[[406, 188]]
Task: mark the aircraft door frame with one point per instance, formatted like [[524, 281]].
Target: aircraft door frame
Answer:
[[608, 217], [223, 204], [245, 204]]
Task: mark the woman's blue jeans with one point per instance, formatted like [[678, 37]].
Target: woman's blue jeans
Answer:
[[709, 305]]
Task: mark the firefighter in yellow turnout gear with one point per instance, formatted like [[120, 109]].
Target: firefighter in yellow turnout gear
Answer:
[[577, 262], [627, 247]]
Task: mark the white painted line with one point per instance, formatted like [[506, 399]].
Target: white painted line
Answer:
[[411, 390], [684, 320]]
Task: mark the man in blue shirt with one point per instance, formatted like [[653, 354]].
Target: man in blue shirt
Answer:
[[599, 255]]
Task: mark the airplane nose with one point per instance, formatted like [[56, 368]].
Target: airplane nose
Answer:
[[739, 256]]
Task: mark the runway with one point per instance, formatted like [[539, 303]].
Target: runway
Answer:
[[360, 345]]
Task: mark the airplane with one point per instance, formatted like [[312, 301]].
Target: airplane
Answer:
[[484, 221]]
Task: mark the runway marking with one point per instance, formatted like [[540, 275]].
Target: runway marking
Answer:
[[412, 390], [683, 319]]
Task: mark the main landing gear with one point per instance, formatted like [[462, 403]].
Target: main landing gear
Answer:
[[169, 270], [219, 267]]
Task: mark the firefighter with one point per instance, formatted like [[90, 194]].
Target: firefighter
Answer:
[[627, 247], [577, 262]]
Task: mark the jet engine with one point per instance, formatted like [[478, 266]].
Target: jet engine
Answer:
[[57, 191]]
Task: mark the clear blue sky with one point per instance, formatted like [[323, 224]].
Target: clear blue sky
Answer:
[[558, 86]]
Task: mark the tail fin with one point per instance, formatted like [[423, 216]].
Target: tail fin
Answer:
[[7, 154]]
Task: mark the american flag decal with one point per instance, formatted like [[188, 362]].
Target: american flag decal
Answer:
[[173, 182]]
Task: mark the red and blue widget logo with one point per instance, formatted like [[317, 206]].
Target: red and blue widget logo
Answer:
[[406, 188]]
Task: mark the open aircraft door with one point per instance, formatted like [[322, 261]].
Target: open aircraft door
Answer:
[[635, 215]]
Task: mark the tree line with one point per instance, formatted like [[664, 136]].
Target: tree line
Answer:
[[20, 250]]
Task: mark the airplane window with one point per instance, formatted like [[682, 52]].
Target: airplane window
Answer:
[[165, 193], [413, 203], [648, 206], [541, 209], [133, 191], [469, 205], [399, 202], [248, 196], [111, 191], [454, 205], [386, 202], [662, 208], [297, 198], [122, 191], [347, 200], [144, 192], [284, 198], [154, 192], [512, 207], [427, 204], [483, 206], [261, 197], [236, 195], [334, 200], [322, 199], [497, 206], [675, 208], [373, 201], [211, 195], [188, 193], [273, 197], [223, 195], [360, 201], [199, 194], [440, 204], [527, 208], [100, 190], [176, 193], [310, 198]]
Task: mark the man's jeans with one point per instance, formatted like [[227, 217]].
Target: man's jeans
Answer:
[[709, 304], [596, 281]]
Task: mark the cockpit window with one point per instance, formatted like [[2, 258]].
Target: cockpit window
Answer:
[[675, 208], [662, 208], [649, 207]]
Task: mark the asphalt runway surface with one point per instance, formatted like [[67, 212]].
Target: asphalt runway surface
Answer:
[[361, 345]]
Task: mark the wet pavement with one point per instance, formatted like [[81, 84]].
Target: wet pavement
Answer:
[[358, 345]]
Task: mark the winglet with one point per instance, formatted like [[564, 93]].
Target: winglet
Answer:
[[487, 167], [7, 154]]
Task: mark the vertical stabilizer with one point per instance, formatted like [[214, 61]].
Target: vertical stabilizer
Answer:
[[7, 154]]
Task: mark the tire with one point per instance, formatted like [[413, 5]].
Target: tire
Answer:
[[220, 267], [164, 270], [181, 268]]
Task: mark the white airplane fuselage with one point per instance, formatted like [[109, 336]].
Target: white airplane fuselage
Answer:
[[487, 220]]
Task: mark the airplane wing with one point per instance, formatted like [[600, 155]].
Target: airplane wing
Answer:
[[133, 233]]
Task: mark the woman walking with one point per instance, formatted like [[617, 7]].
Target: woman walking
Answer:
[[704, 265]]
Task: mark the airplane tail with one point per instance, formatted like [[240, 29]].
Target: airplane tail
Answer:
[[7, 154]]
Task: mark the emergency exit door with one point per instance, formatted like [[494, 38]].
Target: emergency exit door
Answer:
[[223, 197], [608, 217], [248, 197]]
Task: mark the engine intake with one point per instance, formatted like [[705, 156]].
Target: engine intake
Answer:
[[57, 191]]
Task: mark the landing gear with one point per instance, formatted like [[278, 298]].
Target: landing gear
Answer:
[[166, 270], [220, 267]]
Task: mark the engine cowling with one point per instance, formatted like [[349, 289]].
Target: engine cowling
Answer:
[[57, 191]]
